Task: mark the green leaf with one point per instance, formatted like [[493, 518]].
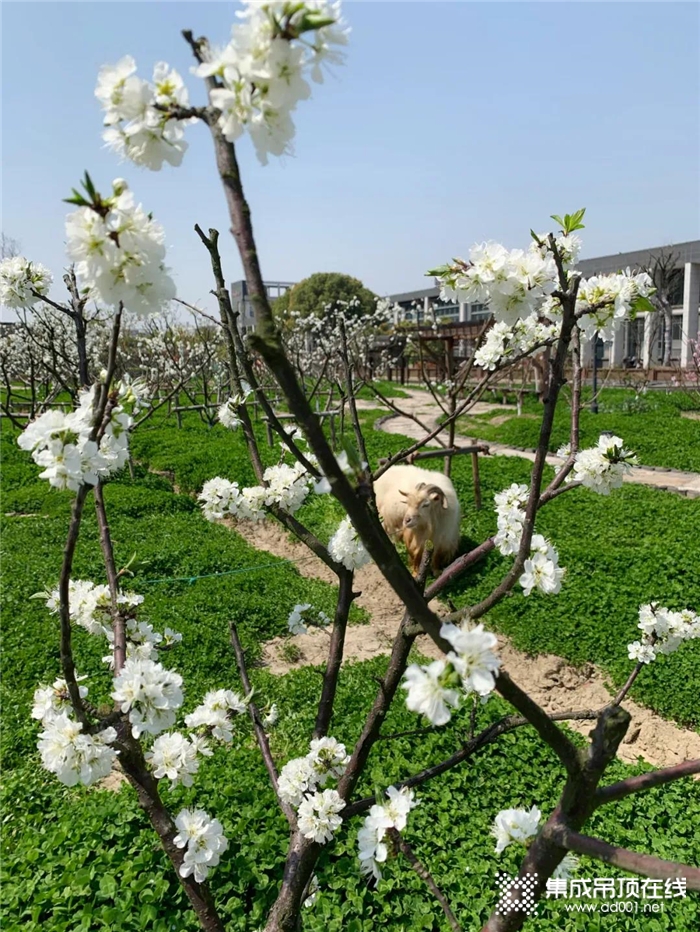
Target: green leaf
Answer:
[[439, 270]]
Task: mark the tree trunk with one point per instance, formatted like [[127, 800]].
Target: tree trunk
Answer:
[[668, 335]]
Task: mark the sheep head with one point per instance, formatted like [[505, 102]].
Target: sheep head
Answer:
[[421, 504]]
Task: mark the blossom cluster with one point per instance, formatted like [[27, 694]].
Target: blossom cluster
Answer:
[[62, 443], [518, 826], [23, 283], [603, 467], [520, 288], [73, 756], [664, 631], [203, 840], [604, 299], [373, 849], [504, 342], [346, 547], [541, 569], [303, 615], [213, 716], [119, 252], [287, 486], [260, 73], [149, 693], [137, 128], [227, 413], [514, 282], [89, 605], [471, 667], [298, 786], [174, 756]]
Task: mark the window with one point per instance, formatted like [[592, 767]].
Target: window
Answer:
[[675, 288], [677, 329], [479, 312]]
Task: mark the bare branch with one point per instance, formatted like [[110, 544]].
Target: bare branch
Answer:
[[255, 718], [645, 781], [644, 864]]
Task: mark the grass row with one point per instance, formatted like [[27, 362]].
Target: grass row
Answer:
[[652, 424]]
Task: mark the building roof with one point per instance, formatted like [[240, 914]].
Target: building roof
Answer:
[[685, 252], [433, 292]]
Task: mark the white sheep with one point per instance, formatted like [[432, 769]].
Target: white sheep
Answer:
[[418, 505]]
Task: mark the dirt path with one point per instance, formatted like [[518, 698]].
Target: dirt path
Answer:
[[421, 405], [551, 681]]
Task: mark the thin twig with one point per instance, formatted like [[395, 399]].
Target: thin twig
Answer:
[[403, 846], [255, 718]]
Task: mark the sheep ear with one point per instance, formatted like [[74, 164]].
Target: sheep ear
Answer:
[[421, 485], [437, 495]]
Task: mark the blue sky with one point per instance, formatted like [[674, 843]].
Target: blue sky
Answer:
[[450, 123]]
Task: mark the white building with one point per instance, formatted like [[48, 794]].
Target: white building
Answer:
[[242, 303]]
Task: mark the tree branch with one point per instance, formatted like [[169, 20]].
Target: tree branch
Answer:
[[258, 728], [403, 846], [644, 864], [645, 781]]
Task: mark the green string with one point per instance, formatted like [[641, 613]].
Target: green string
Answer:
[[245, 569]]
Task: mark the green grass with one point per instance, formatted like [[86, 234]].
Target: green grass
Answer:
[[77, 860], [651, 425]]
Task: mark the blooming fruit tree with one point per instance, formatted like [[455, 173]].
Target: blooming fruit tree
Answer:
[[538, 300]]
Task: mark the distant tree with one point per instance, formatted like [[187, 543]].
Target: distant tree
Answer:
[[665, 274], [314, 294], [9, 246]]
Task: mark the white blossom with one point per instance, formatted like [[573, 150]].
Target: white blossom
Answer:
[[214, 713], [62, 443], [22, 282], [346, 547], [296, 778], [515, 825], [303, 615], [135, 128], [372, 848], [566, 868], [664, 631], [318, 816], [261, 71], [53, 700], [427, 694], [514, 282], [73, 756], [473, 657], [542, 573], [204, 842], [149, 693], [603, 467], [328, 758], [272, 716], [604, 299], [120, 254], [174, 757]]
